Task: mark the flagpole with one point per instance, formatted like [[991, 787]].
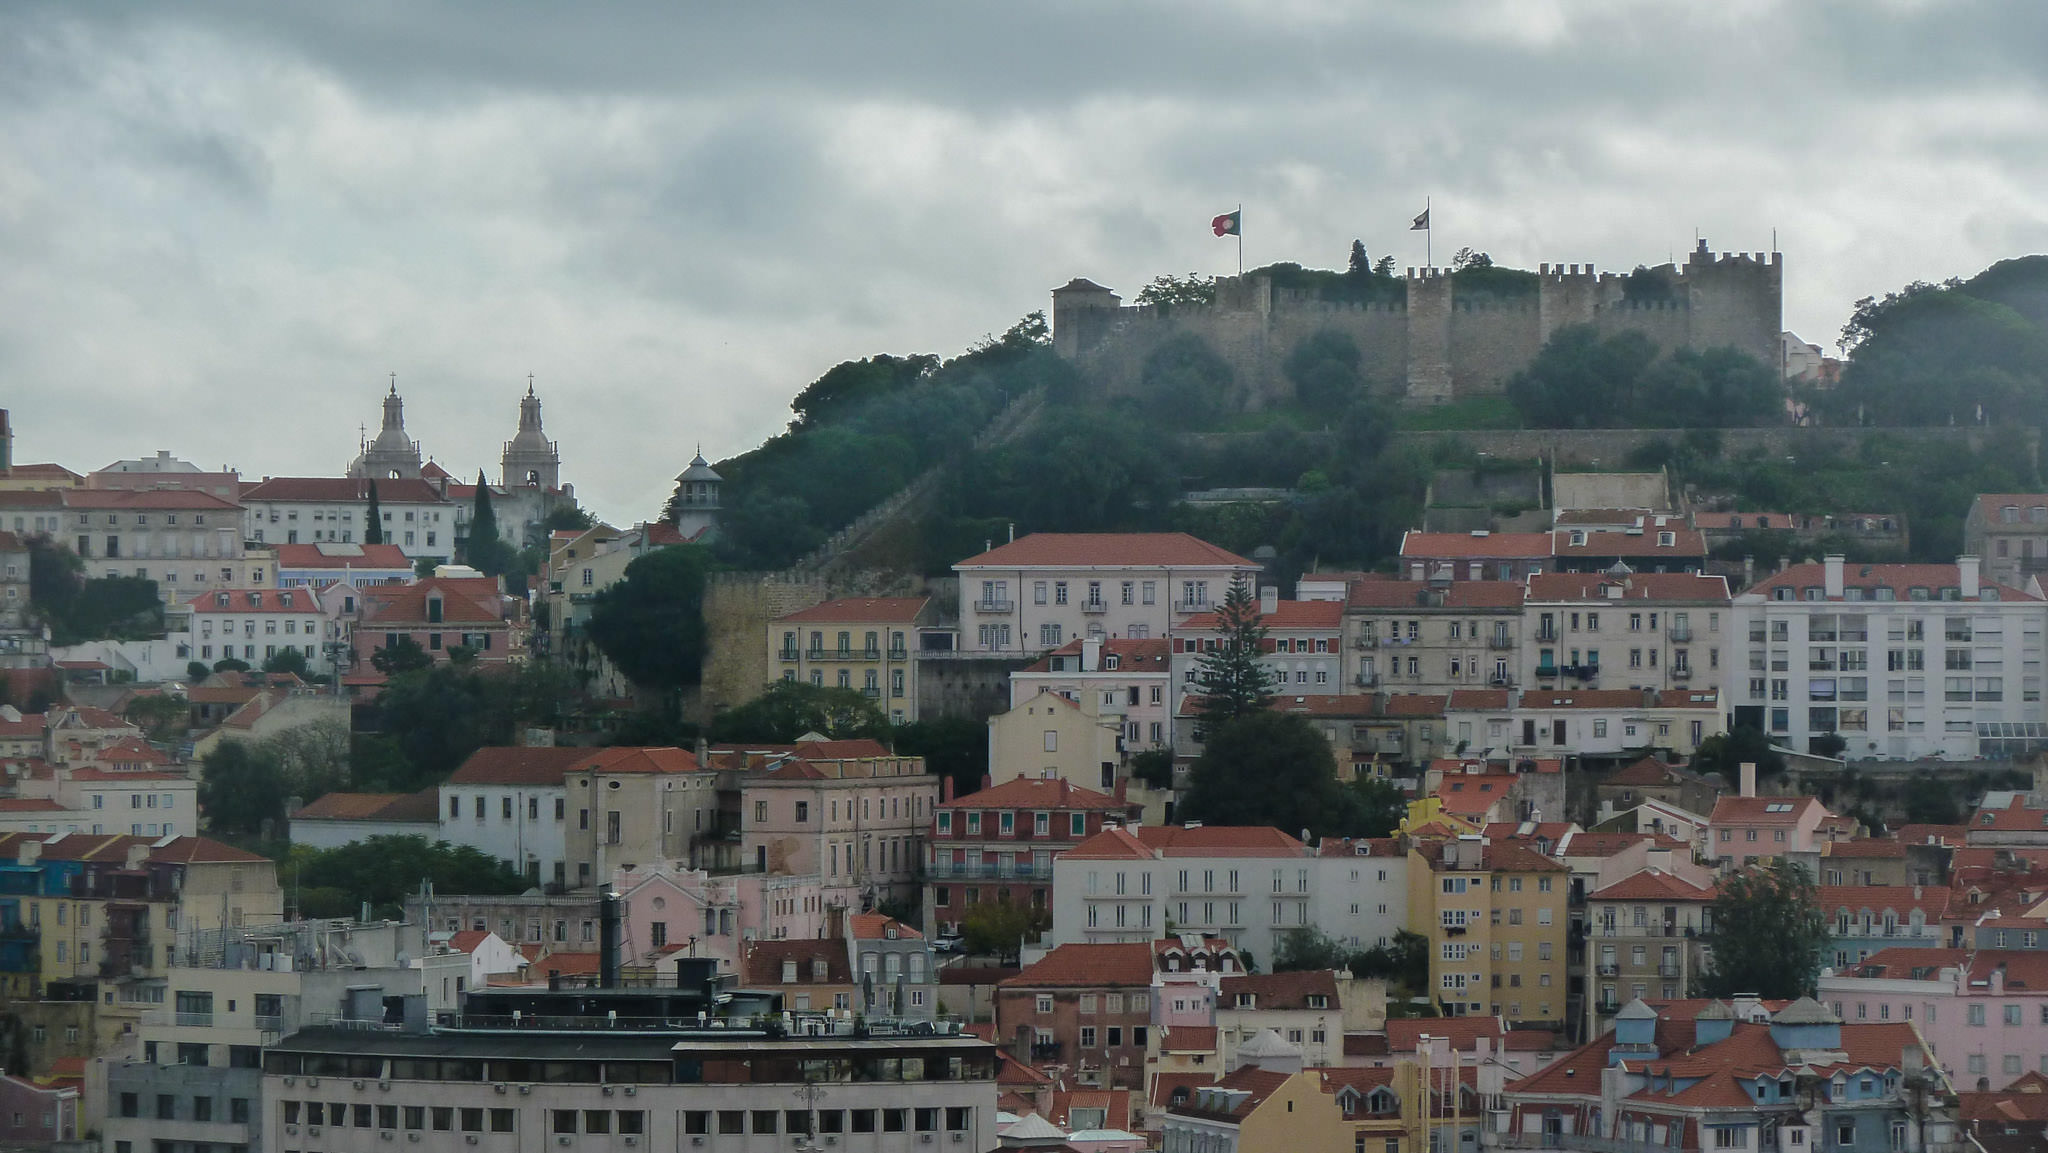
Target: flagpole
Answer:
[[1240, 238], [1428, 236]]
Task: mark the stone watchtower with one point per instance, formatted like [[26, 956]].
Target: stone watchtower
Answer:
[[1083, 312], [697, 498], [392, 454], [531, 460]]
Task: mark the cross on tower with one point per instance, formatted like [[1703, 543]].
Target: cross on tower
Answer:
[[394, 384]]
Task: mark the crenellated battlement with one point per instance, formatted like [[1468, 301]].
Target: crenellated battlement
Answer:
[[1426, 339]]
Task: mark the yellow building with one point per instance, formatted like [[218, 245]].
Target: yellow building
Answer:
[[868, 644], [1256, 1109], [1495, 917]]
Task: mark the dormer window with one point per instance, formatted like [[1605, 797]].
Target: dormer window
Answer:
[[1111, 662], [434, 609], [1247, 1000], [1318, 1001], [220, 600], [1578, 538], [1667, 539]]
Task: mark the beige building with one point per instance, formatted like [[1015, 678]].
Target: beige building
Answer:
[[868, 644], [1495, 917], [187, 541], [850, 812], [2010, 532], [1635, 630], [1052, 737], [1431, 636], [1645, 936], [1041, 591], [630, 808]]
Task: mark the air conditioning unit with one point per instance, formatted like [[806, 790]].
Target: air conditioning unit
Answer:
[[696, 1140], [632, 1140], [924, 1138], [525, 1090], [831, 1140], [469, 1138], [384, 1086], [387, 1135], [291, 1130], [959, 1137], [608, 1090], [312, 1082], [290, 1081], [562, 1140], [1123, 1062], [499, 1087], [312, 1130], [631, 1090], [412, 1137]]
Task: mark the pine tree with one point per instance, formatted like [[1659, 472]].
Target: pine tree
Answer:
[[1232, 677], [485, 551], [373, 533]]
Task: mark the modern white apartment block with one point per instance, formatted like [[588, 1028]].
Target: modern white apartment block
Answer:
[[1901, 661], [1041, 591]]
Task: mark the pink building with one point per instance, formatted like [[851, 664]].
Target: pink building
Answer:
[[850, 813], [1984, 1014], [438, 614], [33, 1115], [671, 913], [1751, 828]]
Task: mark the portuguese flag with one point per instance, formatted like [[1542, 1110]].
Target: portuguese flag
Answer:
[[1227, 224]]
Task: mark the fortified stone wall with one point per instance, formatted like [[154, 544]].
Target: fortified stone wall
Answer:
[[1437, 344], [737, 609]]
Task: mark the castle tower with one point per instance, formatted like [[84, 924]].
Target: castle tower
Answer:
[[697, 498], [392, 454], [1082, 312], [531, 460]]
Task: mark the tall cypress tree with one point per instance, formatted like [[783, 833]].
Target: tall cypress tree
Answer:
[[373, 533], [1232, 677], [486, 551]]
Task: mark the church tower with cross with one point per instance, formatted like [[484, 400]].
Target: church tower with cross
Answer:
[[531, 460], [392, 454]]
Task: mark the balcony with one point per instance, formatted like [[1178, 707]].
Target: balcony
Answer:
[[1679, 633], [1503, 681], [1094, 606], [989, 606], [1609, 969], [898, 654], [1954, 636], [196, 1020], [1045, 1050], [1366, 680], [1546, 670], [1193, 607], [1547, 634], [1667, 970], [817, 652], [871, 692], [269, 1024], [788, 654], [1367, 642], [1500, 641], [1582, 672], [1680, 672]]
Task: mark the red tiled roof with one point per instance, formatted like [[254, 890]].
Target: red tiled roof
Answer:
[[1471, 795], [1484, 700], [467, 940], [30, 805], [1608, 844], [1416, 704], [1500, 858], [498, 765], [99, 774], [1255, 1083], [1647, 772], [390, 490], [630, 759], [1107, 549], [1188, 1039], [423, 807], [762, 962], [852, 610], [112, 499], [1685, 542], [327, 554], [1142, 655], [1433, 545], [1405, 1033], [856, 749], [1034, 793], [1165, 1086], [1281, 990], [1654, 885], [1900, 962], [1086, 966], [2015, 815], [1866, 848], [1759, 810], [204, 851], [1900, 578], [1637, 588], [1219, 841], [1397, 594], [1989, 503], [876, 926], [296, 601]]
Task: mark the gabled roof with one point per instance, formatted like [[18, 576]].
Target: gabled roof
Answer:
[[1140, 655], [1106, 549], [876, 927], [1635, 588], [498, 765], [762, 961], [1087, 966], [1476, 545], [144, 500], [1653, 885], [204, 851], [1764, 810], [1280, 990], [335, 554], [351, 489], [464, 600], [1471, 795], [634, 759], [1034, 793], [860, 610], [1404, 1034], [1219, 841], [1685, 542], [1901, 579], [297, 601], [423, 807], [1286, 615], [1252, 1086]]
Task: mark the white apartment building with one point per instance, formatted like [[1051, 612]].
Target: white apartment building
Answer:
[[1603, 723], [254, 625], [1130, 679], [1902, 661], [1303, 646], [417, 515], [1633, 630], [512, 804], [1041, 591], [1246, 885], [1360, 890]]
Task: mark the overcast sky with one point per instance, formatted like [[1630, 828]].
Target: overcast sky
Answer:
[[222, 225]]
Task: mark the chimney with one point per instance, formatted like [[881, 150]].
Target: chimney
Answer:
[[1269, 600], [608, 939], [1967, 576], [1832, 568], [1748, 569], [1748, 779], [1091, 655], [703, 753]]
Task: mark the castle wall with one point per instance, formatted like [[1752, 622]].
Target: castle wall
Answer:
[[1436, 346], [1490, 340], [737, 609]]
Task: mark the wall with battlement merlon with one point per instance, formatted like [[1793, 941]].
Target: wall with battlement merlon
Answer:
[[1436, 346]]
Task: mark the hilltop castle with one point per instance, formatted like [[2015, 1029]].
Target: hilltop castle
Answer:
[[1427, 341]]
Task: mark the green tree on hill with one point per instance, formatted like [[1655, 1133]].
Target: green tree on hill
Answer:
[[786, 710], [651, 623], [1768, 934], [484, 550], [1233, 678], [373, 519]]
